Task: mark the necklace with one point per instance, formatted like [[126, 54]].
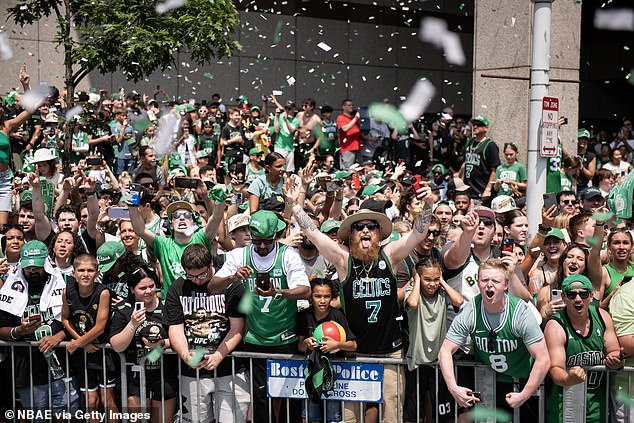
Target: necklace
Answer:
[[366, 270]]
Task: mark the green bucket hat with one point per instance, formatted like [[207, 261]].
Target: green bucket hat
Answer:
[[108, 254], [33, 254], [585, 283], [265, 224]]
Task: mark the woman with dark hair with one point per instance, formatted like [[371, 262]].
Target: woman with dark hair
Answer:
[[516, 227], [63, 249], [411, 206], [138, 328], [264, 186], [573, 261]]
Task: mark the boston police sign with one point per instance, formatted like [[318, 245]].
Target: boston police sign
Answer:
[[360, 382]]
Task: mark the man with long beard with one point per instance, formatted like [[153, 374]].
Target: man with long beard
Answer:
[[368, 288]]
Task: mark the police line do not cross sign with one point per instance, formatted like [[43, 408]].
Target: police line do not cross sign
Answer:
[[550, 117]]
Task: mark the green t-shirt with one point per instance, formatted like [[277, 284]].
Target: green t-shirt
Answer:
[[553, 173], [581, 351], [516, 172], [284, 139], [169, 253], [252, 174], [274, 323]]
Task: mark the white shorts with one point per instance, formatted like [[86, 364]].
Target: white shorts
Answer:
[[226, 408], [289, 156]]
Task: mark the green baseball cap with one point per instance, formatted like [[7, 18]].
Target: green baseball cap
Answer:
[[33, 254], [557, 233], [372, 189], [482, 119], [265, 224], [255, 151], [342, 174], [583, 133], [585, 283], [329, 225], [108, 254], [442, 168]]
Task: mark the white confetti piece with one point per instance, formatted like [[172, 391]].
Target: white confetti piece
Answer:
[[324, 46], [418, 99], [277, 92], [5, 47], [290, 80], [512, 20], [75, 111], [614, 19], [169, 5], [33, 99], [167, 127], [434, 31]]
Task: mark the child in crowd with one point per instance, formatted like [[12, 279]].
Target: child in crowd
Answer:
[[320, 311], [85, 311], [426, 301]]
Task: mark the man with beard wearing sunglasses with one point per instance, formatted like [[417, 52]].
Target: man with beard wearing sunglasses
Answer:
[[275, 278], [368, 287], [504, 335], [581, 335]]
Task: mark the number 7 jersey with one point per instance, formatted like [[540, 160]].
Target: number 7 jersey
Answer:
[[370, 302]]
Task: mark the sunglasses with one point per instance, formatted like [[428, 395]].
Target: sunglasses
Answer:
[[358, 226], [486, 221], [200, 277], [571, 295], [569, 201], [476, 125], [265, 241], [434, 233], [148, 185], [179, 214]]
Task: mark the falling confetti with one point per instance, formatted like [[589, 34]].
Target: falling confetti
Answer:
[[592, 240], [33, 99], [290, 80], [324, 46], [278, 32], [623, 398], [164, 134], [389, 114], [484, 414], [614, 19], [602, 216], [169, 5], [246, 304], [5, 47], [75, 111], [418, 99], [208, 75], [154, 355], [434, 31], [198, 355]]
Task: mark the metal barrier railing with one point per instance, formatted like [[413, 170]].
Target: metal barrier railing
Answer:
[[573, 404]]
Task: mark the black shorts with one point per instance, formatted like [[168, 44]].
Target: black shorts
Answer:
[[154, 389], [426, 378], [89, 369]]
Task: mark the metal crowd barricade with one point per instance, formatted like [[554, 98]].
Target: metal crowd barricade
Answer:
[[573, 404]]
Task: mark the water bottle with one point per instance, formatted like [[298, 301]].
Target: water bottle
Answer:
[[57, 372]]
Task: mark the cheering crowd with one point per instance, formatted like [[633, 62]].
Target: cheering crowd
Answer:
[[206, 228]]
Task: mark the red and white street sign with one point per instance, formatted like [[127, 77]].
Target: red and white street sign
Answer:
[[550, 117]]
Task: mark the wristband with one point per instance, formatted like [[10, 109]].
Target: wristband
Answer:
[[542, 229], [14, 332]]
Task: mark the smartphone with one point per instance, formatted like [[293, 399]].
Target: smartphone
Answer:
[[556, 294], [476, 394], [135, 192], [263, 281], [182, 182], [508, 245], [550, 199], [416, 182], [94, 161], [241, 169], [237, 198], [118, 213], [138, 306], [334, 186], [356, 181]]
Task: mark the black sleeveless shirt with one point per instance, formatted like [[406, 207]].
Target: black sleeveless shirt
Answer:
[[83, 310], [369, 299]]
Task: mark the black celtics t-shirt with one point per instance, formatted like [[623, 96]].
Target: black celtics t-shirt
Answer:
[[205, 317]]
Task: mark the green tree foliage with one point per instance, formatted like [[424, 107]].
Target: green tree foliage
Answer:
[[128, 35]]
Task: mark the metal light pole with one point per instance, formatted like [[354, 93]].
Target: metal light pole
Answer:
[[540, 66]]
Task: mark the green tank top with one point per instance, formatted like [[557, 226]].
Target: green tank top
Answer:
[[5, 148], [616, 277], [507, 354], [272, 321], [553, 172], [581, 351]]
